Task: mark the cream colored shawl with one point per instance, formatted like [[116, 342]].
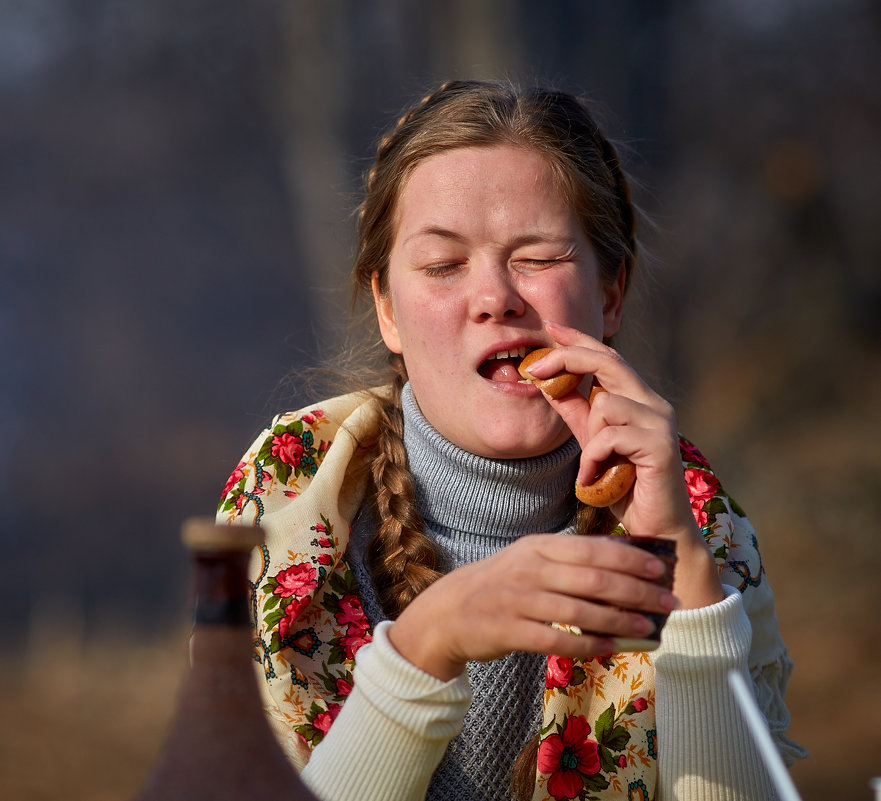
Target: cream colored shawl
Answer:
[[304, 480]]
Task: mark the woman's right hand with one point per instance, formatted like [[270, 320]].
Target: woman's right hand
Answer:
[[506, 602]]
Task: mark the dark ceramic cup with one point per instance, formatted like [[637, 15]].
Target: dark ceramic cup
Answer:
[[665, 550]]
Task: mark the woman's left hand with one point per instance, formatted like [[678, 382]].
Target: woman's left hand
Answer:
[[632, 420]]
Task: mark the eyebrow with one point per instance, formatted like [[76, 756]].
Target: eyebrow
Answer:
[[435, 230], [519, 241]]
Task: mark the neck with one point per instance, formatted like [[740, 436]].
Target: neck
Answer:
[[458, 490]]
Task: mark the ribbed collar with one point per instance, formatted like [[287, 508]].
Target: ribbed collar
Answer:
[[460, 491]]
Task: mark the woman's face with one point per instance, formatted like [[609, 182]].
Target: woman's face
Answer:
[[485, 248]]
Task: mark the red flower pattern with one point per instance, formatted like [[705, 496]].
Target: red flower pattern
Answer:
[[559, 672], [291, 613], [566, 758], [310, 418], [352, 613], [701, 487], [322, 721], [235, 477], [691, 454], [640, 704], [288, 448], [352, 641], [297, 580]]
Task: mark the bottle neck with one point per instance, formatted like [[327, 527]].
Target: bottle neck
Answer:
[[221, 589], [221, 624]]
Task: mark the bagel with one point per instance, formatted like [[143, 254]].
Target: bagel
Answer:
[[616, 480], [557, 385]]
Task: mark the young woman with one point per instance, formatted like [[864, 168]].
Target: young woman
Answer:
[[424, 517]]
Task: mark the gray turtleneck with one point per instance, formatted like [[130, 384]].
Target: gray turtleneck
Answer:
[[473, 507]]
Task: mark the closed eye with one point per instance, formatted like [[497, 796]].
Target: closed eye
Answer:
[[441, 270], [538, 264]]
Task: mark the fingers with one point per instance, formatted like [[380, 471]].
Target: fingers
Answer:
[[545, 639], [585, 581], [508, 602], [629, 419], [595, 553], [580, 353], [583, 628], [611, 587], [649, 448]]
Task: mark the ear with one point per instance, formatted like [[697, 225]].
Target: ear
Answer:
[[385, 315], [613, 303]]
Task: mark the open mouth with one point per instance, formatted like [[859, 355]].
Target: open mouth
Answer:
[[502, 366]]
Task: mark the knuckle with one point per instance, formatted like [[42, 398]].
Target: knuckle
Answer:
[[595, 582], [666, 410], [569, 610], [613, 355], [546, 639]]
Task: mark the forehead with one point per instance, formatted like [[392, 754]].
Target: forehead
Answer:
[[497, 186], [452, 168]]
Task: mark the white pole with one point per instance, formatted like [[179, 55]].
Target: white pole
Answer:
[[759, 730]]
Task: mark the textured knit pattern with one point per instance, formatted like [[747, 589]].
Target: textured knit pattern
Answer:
[[485, 505]]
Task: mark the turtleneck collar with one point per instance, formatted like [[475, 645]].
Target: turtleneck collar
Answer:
[[460, 491]]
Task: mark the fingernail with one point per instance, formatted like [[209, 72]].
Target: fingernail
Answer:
[[606, 646], [654, 567], [647, 626], [537, 365]]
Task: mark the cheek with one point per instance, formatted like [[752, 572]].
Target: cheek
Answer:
[[425, 322], [568, 300]]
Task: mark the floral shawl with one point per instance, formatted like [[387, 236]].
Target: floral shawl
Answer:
[[598, 738]]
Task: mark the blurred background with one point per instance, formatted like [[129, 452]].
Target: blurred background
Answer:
[[177, 179]]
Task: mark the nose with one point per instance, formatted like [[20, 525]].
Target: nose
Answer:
[[495, 295]]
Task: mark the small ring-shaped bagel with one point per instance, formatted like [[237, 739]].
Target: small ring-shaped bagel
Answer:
[[616, 481], [557, 385]]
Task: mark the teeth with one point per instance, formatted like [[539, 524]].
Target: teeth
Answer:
[[516, 353]]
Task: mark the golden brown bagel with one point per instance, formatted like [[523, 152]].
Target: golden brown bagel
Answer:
[[617, 479], [610, 487], [557, 385], [614, 482]]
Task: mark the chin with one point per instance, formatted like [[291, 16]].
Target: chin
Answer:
[[514, 447]]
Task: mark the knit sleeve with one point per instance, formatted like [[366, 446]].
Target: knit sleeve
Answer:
[[704, 751], [392, 731], [705, 748]]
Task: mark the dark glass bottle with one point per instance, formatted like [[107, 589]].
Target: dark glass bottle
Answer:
[[220, 746]]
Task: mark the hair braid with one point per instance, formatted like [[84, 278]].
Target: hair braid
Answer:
[[401, 557]]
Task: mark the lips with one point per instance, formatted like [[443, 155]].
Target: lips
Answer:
[[501, 366]]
